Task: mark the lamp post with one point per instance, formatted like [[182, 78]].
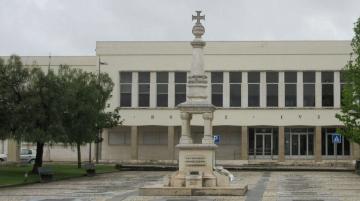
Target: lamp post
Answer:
[[99, 132]]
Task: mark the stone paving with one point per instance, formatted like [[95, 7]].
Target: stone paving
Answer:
[[267, 186]]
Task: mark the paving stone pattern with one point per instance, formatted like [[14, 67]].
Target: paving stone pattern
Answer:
[[267, 186]]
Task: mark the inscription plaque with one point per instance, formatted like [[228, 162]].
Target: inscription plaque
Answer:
[[195, 161]]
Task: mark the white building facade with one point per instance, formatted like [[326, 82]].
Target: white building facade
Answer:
[[276, 100]]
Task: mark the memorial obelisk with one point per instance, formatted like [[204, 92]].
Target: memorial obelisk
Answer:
[[197, 173]]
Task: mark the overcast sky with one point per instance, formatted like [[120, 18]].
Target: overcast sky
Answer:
[[71, 27]]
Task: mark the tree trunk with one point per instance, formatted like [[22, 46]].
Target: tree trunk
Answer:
[[39, 157], [79, 155]]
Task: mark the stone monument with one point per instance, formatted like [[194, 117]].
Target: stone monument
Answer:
[[197, 174]]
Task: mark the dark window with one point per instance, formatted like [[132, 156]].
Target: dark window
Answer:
[[125, 89], [272, 79], [235, 77], [327, 79], [180, 87], [235, 89], [162, 81], [309, 95], [144, 89], [290, 77], [309, 77], [217, 89], [309, 89], [253, 95], [272, 95], [253, 77], [327, 95], [217, 77], [290, 89], [253, 89]]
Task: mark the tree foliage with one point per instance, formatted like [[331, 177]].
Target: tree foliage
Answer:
[[86, 95], [66, 106], [44, 109], [13, 83], [350, 109]]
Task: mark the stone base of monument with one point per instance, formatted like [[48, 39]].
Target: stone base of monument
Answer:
[[197, 176], [195, 191]]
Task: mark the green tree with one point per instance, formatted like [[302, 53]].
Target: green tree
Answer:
[[13, 86], [86, 95], [44, 109], [350, 109]]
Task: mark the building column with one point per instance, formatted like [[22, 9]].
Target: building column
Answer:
[[281, 89], [300, 90], [185, 128], [171, 90], [337, 90], [208, 136], [135, 90], [262, 89], [244, 143], [226, 90], [244, 90], [355, 151], [153, 90], [134, 142], [281, 144], [318, 144], [13, 151], [171, 142], [318, 90]]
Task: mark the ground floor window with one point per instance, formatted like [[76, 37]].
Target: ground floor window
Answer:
[[331, 149], [299, 142], [263, 142]]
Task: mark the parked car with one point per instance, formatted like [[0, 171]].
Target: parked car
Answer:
[[3, 157], [27, 156]]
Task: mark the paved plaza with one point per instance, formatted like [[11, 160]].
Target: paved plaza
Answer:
[[283, 186]]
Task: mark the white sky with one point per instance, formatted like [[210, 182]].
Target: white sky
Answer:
[[71, 27]]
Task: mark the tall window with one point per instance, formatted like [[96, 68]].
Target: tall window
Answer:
[[309, 89], [144, 89], [253, 89], [290, 89], [217, 88], [272, 80], [327, 80], [235, 89], [162, 82], [125, 89], [180, 87]]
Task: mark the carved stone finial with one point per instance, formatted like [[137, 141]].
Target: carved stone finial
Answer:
[[198, 29]]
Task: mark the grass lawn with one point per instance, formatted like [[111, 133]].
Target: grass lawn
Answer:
[[12, 174]]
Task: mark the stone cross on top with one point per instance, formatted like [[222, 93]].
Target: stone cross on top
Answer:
[[198, 29], [198, 17]]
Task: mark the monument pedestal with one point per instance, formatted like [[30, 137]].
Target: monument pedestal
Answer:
[[197, 176]]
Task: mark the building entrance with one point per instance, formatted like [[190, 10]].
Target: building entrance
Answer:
[[299, 143], [263, 143]]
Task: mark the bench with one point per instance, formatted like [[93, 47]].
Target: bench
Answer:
[[90, 169], [45, 174]]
